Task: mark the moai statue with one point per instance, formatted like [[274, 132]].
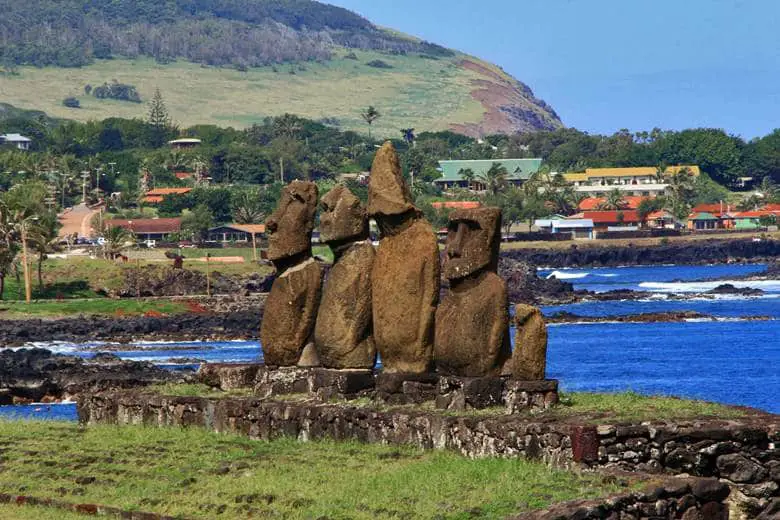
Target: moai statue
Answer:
[[529, 358], [291, 307], [343, 334], [405, 278], [472, 321]]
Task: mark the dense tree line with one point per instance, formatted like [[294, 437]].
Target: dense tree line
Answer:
[[724, 157], [72, 33]]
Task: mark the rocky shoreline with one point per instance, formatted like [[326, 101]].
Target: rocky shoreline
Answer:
[[645, 317], [682, 252]]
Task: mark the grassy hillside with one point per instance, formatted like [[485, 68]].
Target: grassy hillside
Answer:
[[428, 94], [233, 62]]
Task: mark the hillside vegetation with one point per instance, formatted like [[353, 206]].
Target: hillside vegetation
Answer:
[[233, 62]]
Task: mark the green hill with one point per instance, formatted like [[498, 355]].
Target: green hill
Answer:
[[233, 62]]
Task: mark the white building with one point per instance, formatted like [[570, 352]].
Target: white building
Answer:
[[640, 182], [19, 141]]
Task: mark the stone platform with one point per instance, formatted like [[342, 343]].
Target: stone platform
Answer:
[[446, 392]]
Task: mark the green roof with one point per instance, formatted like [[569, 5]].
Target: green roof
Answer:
[[518, 169], [704, 216]]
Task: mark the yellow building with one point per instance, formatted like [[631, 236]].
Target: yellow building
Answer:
[[643, 181]]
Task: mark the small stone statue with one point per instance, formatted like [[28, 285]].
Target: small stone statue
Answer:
[[405, 277], [343, 334], [291, 307], [472, 321], [529, 358]]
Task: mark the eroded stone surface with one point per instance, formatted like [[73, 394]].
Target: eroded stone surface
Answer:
[[529, 359], [344, 331], [289, 228], [405, 277]]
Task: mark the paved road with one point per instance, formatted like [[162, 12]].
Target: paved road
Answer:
[[77, 220]]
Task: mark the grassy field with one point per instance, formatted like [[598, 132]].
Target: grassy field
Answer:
[[14, 512], [193, 473], [428, 94], [103, 306]]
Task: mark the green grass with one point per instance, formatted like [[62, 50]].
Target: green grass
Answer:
[[14, 512], [630, 406], [105, 307], [193, 473], [430, 94]]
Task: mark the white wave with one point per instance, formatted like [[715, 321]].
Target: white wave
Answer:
[[700, 287], [566, 276], [608, 275]]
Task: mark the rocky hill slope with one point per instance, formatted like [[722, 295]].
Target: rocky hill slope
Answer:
[[246, 59]]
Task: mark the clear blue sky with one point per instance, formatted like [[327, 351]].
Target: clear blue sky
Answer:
[[610, 64]]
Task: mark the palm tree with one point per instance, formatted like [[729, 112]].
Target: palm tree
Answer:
[[117, 239], [495, 179], [43, 238], [409, 136], [468, 175], [680, 192], [370, 115], [9, 247], [247, 207], [613, 201]]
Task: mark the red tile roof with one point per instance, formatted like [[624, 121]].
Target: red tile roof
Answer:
[[593, 203], [457, 204], [655, 215], [168, 191], [772, 207], [147, 225], [756, 214], [611, 217]]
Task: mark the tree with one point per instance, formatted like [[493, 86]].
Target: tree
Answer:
[[495, 179], [117, 239], [408, 135], [370, 115], [44, 239], [468, 175], [613, 201], [198, 222], [680, 193], [768, 190], [248, 206], [648, 205], [9, 246], [159, 119]]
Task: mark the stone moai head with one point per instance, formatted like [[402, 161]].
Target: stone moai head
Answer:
[[388, 194], [289, 227], [342, 217], [473, 242]]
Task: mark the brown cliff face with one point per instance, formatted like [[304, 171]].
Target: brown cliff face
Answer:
[[510, 106]]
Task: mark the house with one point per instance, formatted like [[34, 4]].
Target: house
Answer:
[[750, 220], [662, 219], [157, 195], [518, 171], [577, 228], [604, 220], [703, 221], [642, 181], [237, 233], [457, 204], [17, 140], [594, 203], [185, 143], [148, 228]]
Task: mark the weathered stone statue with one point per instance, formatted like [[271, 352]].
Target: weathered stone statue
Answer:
[[529, 358], [344, 331], [291, 307], [405, 277], [472, 321]]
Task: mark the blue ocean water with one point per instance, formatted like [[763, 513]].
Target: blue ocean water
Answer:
[[730, 361]]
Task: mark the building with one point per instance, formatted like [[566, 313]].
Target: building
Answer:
[[642, 181], [227, 233], [185, 143], [577, 228], [750, 220], [17, 140], [662, 219], [157, 195], [594, 203], [518, 171], [148, 228], [703, 221], [610, 220]]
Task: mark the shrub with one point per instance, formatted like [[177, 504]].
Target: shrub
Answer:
[[71, 102], [116, 90], [350, 56], [379, 64]]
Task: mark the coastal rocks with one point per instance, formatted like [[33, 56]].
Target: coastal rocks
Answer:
[[472, 320], [405, 277], [645, 317], [34, 375], [343, 334], [525, 286], [678, 252], [728, 288], [529, 359], [291, 307]]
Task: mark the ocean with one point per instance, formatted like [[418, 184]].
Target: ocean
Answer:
[[731, 360]]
